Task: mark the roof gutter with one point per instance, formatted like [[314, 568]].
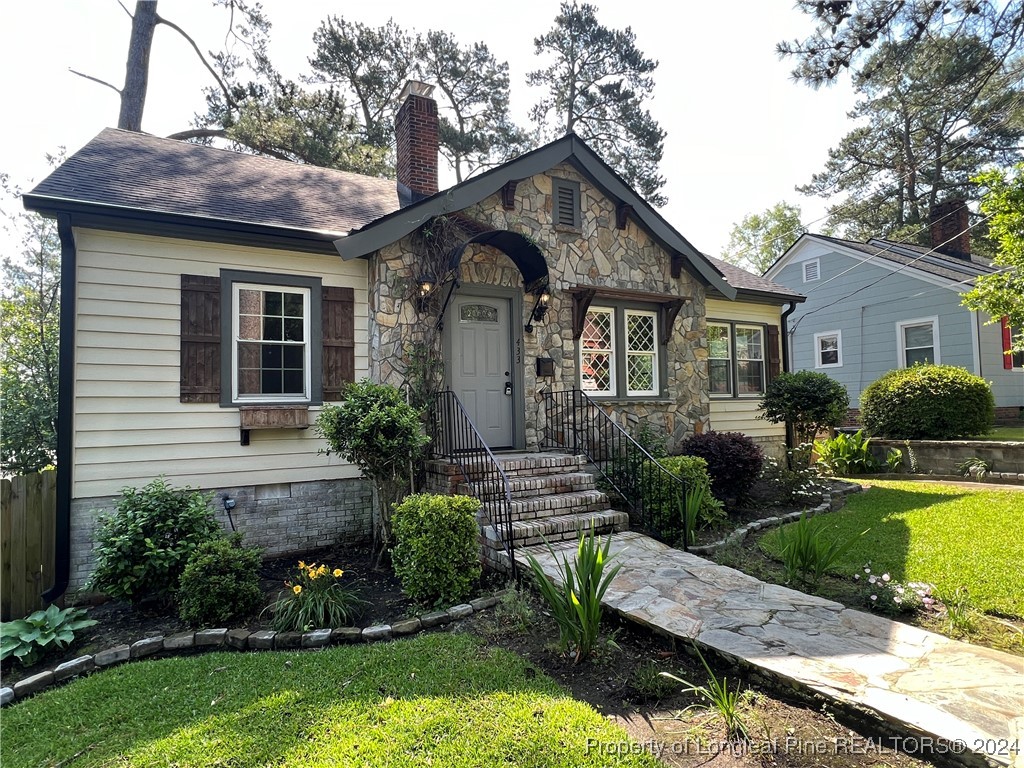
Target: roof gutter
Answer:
[[65, 408]]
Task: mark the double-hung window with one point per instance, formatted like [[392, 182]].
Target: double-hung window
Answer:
[[828, 349], [271, 347], [736, 358], [918, 341], [620, 353]]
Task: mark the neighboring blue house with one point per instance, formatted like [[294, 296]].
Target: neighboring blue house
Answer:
[[875, 306]]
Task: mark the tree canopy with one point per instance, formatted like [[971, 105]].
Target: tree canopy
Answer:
[[1002, 294], [596, 84], [846, 33], [923, 130], [761, 238]]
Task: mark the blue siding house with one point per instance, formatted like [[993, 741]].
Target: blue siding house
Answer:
[[879, 305]]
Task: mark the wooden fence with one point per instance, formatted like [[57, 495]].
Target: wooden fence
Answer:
[[28, 508]]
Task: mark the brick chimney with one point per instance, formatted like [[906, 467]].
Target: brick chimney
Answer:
[[416, 140], [951, 234]]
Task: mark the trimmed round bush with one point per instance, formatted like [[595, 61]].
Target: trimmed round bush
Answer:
[[810, 401], [928, 402], [734, 461], [221, 583], [437, 550], [141, 548], [661, 500]]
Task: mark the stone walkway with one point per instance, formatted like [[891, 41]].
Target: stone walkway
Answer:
[[925, 684]]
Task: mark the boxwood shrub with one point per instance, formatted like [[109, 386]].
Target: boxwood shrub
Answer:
[[661, 499], [734, 461], [928, 402], [437, 550], [221, 583]]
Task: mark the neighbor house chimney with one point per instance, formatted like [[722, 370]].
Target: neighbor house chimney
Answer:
[[416, 140], [951, 232]]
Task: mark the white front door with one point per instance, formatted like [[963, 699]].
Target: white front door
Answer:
[[480, 372]]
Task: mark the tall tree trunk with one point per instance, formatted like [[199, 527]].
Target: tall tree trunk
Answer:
[[136, 79]]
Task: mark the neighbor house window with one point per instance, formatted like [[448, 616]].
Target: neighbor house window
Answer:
[[918, 341], [1012, 360], [828, 349], [620, 353], [271, 345], [736, 358], [812, 270]]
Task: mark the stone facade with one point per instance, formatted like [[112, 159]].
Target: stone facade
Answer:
[[280, 518], [596, 254]]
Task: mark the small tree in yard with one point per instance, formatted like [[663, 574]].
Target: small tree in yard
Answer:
[[379, 432], [810, 402]]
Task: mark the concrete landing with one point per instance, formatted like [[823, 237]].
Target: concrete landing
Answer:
[[925, 684]]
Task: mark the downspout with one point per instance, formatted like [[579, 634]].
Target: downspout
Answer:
[[784, 337], [65, 408]]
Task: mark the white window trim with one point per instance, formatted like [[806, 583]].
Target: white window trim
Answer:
[[653, 354], [817, 349], [612, 357], [728, 359], [817, 270], [305, 397], [763, 360], [901, 339]]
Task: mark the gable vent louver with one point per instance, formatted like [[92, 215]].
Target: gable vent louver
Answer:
[[566, 203], [811, 271]]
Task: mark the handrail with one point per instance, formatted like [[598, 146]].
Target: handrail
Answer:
[[455, 438], [578, 424]]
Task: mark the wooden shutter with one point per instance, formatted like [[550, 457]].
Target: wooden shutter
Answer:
[[339, 347], [1004, 324], [200, 339], [774, 357]]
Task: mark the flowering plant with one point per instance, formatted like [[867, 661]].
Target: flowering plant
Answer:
[[316, 599], [884, 594]]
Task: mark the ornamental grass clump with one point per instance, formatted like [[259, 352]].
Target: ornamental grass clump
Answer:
[[806, 553], [316, 598], [575, 603]]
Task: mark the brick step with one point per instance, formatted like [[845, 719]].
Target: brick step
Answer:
[[535, 464], [566, 527], [539, 485], [537, 507]]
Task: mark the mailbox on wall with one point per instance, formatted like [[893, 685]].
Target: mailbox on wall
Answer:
[[545, 366]]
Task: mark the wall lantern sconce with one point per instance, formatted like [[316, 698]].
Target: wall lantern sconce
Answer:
[[540, 308], [426, 285]]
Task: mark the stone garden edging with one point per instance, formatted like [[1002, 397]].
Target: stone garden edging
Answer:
[[241, 640], [831, 501]]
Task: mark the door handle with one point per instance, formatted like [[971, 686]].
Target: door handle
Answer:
[[508, 387]]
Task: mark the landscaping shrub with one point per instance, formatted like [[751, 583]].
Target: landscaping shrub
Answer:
[[220, 584], [575, 602], [846, 454], [806, 554], [661, 497], [31, 638], [378, 431], [141, 549], [316, 598], [734, 461], [437, 549], [781, 486], [811, 402], [937, 402]]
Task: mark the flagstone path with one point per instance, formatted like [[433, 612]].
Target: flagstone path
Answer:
[[969, 699]]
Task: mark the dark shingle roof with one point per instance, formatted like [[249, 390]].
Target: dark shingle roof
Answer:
[[921, 258], [125, 169], [744, 281]]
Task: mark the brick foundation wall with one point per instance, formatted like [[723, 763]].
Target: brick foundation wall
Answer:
[[281, 518]]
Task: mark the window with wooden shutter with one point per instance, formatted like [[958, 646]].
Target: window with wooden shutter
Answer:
[[774, 353], [200, 339], [339, 349], [566, 202]]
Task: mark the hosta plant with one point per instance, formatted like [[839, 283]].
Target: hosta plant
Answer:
[[30, 638]]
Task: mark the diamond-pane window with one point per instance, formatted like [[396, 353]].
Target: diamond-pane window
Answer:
[[597, 352], [641, 353]]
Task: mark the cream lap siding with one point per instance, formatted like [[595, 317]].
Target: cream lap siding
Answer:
[[737, 414], [129, 424]]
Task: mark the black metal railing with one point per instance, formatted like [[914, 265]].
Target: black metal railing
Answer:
[[455, 439], [654, 496]]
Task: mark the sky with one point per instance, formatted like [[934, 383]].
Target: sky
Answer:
[[741, 133]]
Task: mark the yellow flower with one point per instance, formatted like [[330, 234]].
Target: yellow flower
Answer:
[[321, 570], [301, 564], [297, 589], [338, 572]]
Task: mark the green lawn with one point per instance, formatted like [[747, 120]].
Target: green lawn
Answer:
[[437, 699], [942, 534], [1004, 433]]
